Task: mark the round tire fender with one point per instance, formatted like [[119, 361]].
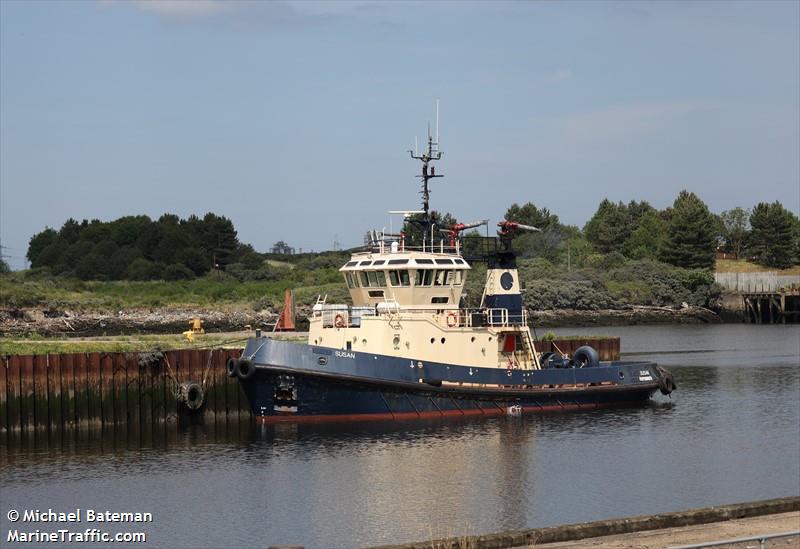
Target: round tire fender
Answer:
[[232, 364], [245, 369], [586, 357], [666, 383], [194, 396], [191, 395]]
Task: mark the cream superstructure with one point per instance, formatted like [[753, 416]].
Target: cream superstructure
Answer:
[[408, 303]]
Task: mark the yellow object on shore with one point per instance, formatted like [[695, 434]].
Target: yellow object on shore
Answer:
[[197, 326], [189, 335]]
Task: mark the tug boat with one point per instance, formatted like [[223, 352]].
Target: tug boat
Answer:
[[408, 347]]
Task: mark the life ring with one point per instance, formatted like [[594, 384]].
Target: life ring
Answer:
[[338, 321], [452, 320]]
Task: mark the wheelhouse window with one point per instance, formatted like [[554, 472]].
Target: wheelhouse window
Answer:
[[399, 278], [440, 278], [440, 299], [376, 293], [364, 279], [373, 279]]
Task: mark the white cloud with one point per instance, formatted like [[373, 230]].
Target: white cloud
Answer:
[[558, 76], [620, 122], [185, 8]]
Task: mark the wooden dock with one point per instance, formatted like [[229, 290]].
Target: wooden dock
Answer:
[[780, 306]]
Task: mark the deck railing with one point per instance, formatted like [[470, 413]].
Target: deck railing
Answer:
[[341, 316]]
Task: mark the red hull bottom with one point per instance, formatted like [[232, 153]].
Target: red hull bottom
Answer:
[[488, 412]]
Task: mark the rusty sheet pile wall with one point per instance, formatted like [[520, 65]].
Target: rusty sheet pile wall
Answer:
[[607, 347], [98, 389]]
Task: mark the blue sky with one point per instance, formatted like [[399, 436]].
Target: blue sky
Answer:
[[294, 118]]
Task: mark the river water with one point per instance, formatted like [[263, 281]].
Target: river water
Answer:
[[730, 433]]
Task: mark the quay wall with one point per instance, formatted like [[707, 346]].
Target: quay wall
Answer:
[[87, 390], [627, 525]]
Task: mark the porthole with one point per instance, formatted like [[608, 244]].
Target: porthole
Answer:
[[472, 339], [443, 340], [433, 339], [622, 375]]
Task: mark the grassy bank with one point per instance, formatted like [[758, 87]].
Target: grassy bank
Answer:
[[744, 266], [126, 344], [19, 290]]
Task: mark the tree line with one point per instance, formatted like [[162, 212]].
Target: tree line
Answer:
[[686, 234], [139, 248]]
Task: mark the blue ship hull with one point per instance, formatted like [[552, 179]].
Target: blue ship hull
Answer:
[[291, 382]]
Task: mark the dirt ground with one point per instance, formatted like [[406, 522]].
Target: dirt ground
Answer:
[[703, 533]]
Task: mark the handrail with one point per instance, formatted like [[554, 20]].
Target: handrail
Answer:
[[490, 317], [761, 539]]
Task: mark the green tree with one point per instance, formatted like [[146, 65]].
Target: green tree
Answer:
[[691, 234], [547, 241], [70, 231], [735, 229], [772, 236], [613, 224], [609, 226], [647, 239], [220, 238], [39, 242], [413, 229], [530, 214], [142, 269]]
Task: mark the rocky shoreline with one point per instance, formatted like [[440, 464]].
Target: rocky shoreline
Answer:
[[62, 323], [636, 314]]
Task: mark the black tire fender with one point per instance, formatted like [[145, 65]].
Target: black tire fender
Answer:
[[544, 360], [666, 383], [586, 357], [245, 369], [191, 394], [232, 364]]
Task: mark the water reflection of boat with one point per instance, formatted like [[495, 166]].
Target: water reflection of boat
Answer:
[[408, 348]]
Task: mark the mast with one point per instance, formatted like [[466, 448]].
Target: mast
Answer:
[[428, 170]]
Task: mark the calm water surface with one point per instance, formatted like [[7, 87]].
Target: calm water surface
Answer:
[[730, 433]]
